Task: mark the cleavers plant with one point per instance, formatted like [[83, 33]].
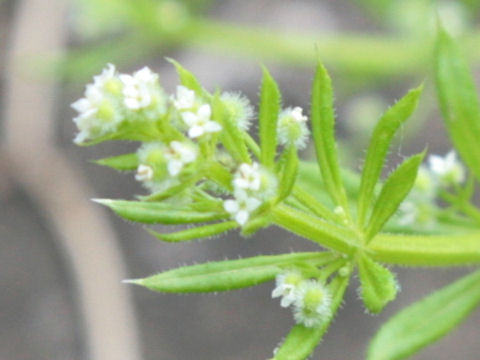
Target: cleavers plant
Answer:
[[203, 168]]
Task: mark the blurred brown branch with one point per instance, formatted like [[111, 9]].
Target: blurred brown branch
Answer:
[[31, 159]]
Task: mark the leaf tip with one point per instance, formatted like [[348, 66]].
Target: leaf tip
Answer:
[[105, 202], [133, 281]]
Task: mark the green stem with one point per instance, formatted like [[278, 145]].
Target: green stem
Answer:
[[466, 207], [373, 54]]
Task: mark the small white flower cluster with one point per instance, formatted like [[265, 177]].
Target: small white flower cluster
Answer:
[[174, 129], [196, 115], [247, 183], [113, 99], [442, 172], [292, 127], [310, 299], [447, 170], [160, 163]]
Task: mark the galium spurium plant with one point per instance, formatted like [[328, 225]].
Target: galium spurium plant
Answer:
[[201, 167]]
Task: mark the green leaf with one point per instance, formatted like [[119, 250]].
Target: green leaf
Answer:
[[268, 117], [428, 250], [255, 224], [310, 180], [379, 285], [427, 320], [195, 233], [289, 172], [125, 162], [458, 100], [382, 136], [187, 79], [314, 229], [393, 192], [231, 136], [323, 130], [229, 274], [131, 131], [175, 189], [158, 213], [302, 341]]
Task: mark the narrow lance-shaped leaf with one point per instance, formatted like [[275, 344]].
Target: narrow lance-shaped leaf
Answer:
[[427, 250], [187, 79], [323, 131], [229, 274], [158, 213], [458, 100], [123, 162], [427, 320], [378, 284], [289, 172], [302, 341], [198, 232], [314, 229], [268, 117], [175, 189], [380, 142], [393, 192]]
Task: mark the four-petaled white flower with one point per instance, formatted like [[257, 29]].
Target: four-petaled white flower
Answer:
[[88, 105], [241, 207], [185, 98], [286, 285], [448, 169], [178, 155], [138, 88], [312, 304], [144, 173], [199, 123], [247, 177]]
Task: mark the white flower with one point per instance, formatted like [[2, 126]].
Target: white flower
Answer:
[[89, 105], [185, 98], [247, 177], [292, 127], [138, 88], [286, 285], [312, 304], [448, 169], [241, 207], [144, 173], [239, 108], [106, 75], [199, 123], [408, 213], [297, 115], [98, 111], [178, 155]]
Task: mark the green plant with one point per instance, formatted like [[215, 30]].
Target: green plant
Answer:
[[203, 168]]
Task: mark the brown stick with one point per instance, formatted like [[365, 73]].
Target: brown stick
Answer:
[[81, 228]]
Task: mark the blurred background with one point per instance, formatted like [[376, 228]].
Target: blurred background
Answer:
[[62, 258]]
